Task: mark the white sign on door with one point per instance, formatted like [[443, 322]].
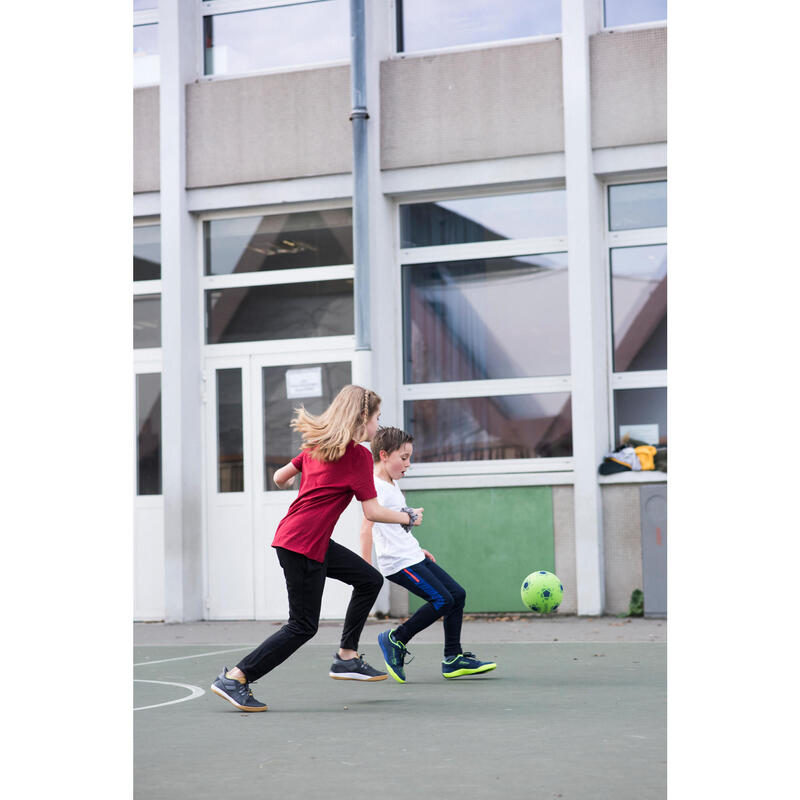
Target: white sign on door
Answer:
[[303, 383]]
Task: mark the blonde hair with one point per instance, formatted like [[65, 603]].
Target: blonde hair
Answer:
[[328, 434]]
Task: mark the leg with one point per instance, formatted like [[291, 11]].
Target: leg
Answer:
[[344, 565], [305, 580], [454, 617], [445, 598]]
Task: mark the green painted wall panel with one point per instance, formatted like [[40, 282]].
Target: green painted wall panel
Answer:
[[489, 540]]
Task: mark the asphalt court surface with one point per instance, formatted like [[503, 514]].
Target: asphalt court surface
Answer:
[[571, 718]]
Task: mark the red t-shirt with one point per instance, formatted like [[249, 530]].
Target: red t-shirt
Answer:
[[326, 489]]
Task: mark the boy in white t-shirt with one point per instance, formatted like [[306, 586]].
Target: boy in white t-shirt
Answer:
[[404, 562]]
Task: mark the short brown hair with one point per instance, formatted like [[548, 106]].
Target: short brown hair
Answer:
[[389, 439]]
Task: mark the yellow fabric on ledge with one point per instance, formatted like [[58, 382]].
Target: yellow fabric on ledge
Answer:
[[646, 453]]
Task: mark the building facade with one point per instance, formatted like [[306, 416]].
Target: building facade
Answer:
[[517, 286]]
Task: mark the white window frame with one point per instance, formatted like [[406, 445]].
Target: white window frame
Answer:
[[635, 237], [461, 48], [439, 473], [210, 8], [279, 347]]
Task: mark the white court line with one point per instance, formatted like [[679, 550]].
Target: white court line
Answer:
[[196, 691], [194, 655]]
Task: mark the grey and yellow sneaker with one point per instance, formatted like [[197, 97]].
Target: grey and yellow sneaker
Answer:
[[354, 669], [236, 693], [465, 664], [394, 655]]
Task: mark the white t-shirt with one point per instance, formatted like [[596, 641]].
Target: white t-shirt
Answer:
[[394, 547]]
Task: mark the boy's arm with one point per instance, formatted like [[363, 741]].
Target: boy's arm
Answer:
[[284, 477], [375, 512], [366, 540]]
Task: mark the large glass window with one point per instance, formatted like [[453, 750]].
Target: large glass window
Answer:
[[148, 433], [146, 61], [486, 319], [147, 253], [279, 241], [433, 24], [639, 306], [284, 389], [280, 311], [286, 35], [637, 205], [485, 309], [146, 321], [491, 428], [637, 214], [279, 276], [230, 431], [484, 219], [642, 414], [629, 12]]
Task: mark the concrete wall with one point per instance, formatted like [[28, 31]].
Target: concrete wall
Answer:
[[269, 127], [492, 103], [622, 545], [564, 539], [146, 161], [481, 104], [629, 87]]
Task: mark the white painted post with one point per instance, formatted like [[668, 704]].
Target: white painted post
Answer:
[[181, 328], [588, 328]]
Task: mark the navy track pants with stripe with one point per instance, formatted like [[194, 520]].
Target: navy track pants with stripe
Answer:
[[444, 598]]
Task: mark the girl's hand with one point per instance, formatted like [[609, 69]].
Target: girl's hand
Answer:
[[418, 512], [428, 555]]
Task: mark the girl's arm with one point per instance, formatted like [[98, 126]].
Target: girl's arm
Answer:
[[366, 540], [375, 512], [284, 477]]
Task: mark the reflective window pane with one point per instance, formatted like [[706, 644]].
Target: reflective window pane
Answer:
[[146, 65], [639, 307], [286, 388], [147, 252], [629, 12], [143, 5], [433, 24], [642, 413], [484, 219], [486, 318], [637, 205], [148, 433], [490, 428], [278, 241], [230, 433], [146, 321], [284, 311], [283, 36]]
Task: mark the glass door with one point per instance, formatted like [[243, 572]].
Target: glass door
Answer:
[[279, 389], [250, 400]]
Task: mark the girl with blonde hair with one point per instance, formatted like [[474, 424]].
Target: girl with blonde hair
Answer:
[[334, 468]]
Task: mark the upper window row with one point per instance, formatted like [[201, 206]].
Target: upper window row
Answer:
[[243, 40], [325, 238]]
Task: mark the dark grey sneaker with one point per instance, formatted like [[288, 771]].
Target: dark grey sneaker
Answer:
[[238, 694], [354, 669]]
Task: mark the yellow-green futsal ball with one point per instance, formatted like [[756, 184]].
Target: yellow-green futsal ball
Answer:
[[542, 591]]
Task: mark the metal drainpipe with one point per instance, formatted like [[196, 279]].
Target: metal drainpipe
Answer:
[[359, 116]]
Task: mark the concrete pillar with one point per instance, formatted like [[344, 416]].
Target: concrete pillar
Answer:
[[587, 290], [181, 336]]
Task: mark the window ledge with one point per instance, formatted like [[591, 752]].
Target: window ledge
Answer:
[[644, 476]]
